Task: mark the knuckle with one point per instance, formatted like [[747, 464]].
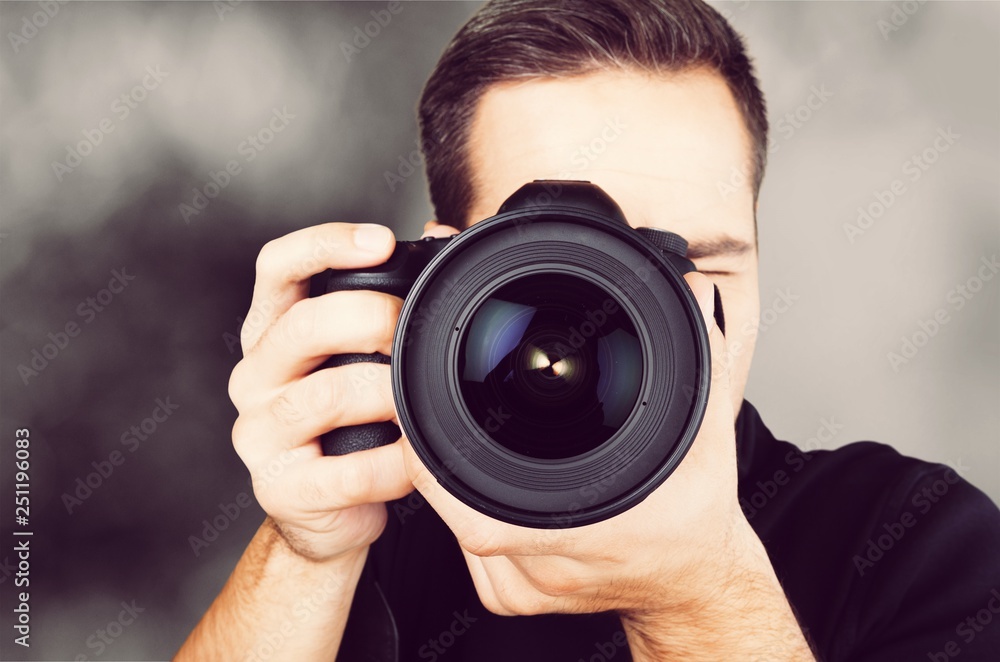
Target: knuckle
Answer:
[[480, 541], [277, 507], [370, 383], [265, 496], [242, 440], [391, 307], [378, 312], [267, 259], [236, 387], [495, 605], [519, 602], [324, 396], [314, 494], [554, 584], [354, 485], [285, 411], [530, 603], [383, 389], [298, 325]]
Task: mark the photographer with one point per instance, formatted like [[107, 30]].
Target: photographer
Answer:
[[689, 573]]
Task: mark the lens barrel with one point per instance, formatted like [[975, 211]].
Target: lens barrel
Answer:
[[550, 365]]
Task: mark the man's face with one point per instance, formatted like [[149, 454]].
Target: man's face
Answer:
[[660, 146]]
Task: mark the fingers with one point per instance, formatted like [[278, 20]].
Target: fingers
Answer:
[[435, 229], [337, 482], [285, 265], [297, 489], [327, 399], [507, 589], [477, 533], [312, 330]]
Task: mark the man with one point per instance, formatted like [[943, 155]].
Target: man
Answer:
[[687, 574]]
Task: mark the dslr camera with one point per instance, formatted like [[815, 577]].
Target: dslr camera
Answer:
[[550, 365]]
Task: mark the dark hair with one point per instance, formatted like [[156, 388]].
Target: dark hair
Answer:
[[521, 39]]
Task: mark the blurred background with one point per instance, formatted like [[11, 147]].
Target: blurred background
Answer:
[[128, 253]]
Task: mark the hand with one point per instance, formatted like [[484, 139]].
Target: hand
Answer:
[[324, 507], [669, 565]]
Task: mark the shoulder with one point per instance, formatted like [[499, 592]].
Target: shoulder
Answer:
[[883, 556]]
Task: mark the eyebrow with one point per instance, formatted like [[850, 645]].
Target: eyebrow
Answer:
[[724, 245], [719, 246]]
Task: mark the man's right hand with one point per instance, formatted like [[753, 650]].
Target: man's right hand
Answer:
[[324, 507]]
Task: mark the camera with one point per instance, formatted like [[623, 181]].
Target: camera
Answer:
[[550, 365]]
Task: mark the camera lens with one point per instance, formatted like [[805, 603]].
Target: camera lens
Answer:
[[550, 366]]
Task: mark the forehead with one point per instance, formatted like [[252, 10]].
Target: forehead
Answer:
[[672, 150]]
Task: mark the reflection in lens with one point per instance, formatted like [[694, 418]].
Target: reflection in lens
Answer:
[[550, 366]]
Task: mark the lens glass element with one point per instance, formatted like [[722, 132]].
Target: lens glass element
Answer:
[[550, 366]]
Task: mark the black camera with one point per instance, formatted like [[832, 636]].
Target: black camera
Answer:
[[550, 365]]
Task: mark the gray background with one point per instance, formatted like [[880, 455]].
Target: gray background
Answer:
[[170, 332]]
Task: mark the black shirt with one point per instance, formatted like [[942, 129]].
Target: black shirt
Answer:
[[882, 557]]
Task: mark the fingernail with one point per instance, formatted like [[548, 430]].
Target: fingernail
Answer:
[[372, 237]]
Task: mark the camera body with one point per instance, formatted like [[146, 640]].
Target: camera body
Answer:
[[550, 365]]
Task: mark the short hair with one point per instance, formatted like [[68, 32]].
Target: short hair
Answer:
[[509, 40]]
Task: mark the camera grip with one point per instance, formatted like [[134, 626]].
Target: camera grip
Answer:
[[390, 278], [352, 438], [395, 276]]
